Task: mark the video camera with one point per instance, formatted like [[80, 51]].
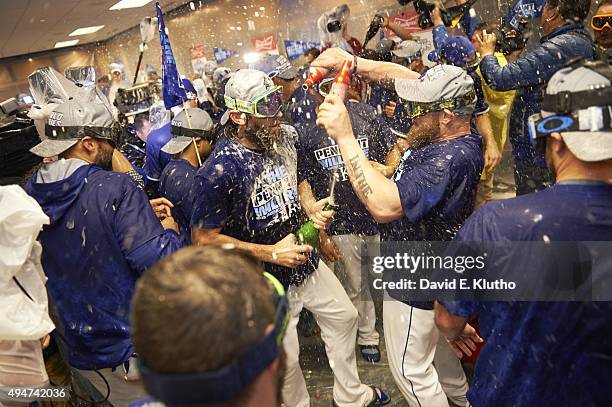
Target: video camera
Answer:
[[510, 39], [450, 15]]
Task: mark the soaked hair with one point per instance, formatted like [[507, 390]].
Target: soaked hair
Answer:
[[573, 10], [199, 309], [315, 52]]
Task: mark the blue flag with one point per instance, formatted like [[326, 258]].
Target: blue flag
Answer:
[[524, 9], [298, 48], [172, 87], [221, 54]]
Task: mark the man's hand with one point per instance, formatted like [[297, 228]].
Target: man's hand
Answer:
[[289, 254], [492, 157], [334, 117], [321, 218], [332, 58], [486, 43], [436, 16], [390, 109], [466, 342], [328, 249], [169, 223], [161, 207]]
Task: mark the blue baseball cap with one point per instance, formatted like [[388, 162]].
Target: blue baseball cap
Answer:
[[456, 50], [189, 89]]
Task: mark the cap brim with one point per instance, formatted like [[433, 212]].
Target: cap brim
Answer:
[[176, 145], [411, 90], [50, 148], [400, 53], [589, 146]]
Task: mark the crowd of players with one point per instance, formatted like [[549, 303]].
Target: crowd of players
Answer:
[[181, 262]]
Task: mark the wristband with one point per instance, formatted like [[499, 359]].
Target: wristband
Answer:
[[136, 177]]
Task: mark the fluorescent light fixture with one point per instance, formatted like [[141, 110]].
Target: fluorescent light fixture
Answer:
[[129, 4], [62, 44], [86, 30], [251, 57]]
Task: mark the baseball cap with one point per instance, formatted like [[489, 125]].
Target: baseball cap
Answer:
[[275, 66], [70, 121], [385, 46], [440, 83], [246, 85], [585, 145], [408, 49], [201, 125], [456, 50], [209, 67], [115, 67]]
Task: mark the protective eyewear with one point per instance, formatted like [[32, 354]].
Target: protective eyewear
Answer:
[[263, 106], [179, 131], [407, 60], [223, 384], [601, 21], [418, 109]]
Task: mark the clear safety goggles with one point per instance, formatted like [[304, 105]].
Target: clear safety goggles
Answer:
[[263, 106]]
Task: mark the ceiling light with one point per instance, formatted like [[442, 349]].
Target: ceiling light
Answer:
[[129, 4], [62, 44], [251, 57], [86, 30]]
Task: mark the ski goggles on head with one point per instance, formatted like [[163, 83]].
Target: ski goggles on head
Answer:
[[110, 134], [226, 383], [595, 118], [418, 109], [179, 131], [601, 21], [265, 105]]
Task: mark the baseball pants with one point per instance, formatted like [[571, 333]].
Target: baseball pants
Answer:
[[422, 363], [348, 270], [322, 294]]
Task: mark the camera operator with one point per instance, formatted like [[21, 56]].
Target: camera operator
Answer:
[[564, 39]]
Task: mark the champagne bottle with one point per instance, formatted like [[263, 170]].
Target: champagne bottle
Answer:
[[373, 29], [308, 233], [315, 75], [342, 81]]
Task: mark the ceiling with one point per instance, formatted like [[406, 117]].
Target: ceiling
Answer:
[[28, 26]]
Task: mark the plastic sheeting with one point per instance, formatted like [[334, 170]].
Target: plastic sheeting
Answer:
[[20, 222]]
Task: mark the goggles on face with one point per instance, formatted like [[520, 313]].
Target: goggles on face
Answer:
[[266, 105], [418, 109], [111, 134], [225, 383], [601, 21]]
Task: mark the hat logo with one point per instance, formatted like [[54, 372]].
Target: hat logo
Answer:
[[435, 73], [177, 123], [55, 119]]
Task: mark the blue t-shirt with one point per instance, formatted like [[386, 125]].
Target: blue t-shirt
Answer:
[[253, 197], [156, 159], [319, 156], [537, 352], [437, 187], [175, 184], [102, 237], [300, 108]]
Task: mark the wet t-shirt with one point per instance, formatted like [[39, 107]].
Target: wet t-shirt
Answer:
[[253, 196], [319, 157], [437, 187], [536, 352], [175, 185]]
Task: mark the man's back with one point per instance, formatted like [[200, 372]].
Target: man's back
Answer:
[[534, 340], [175, 185], [98, 221], [156, 159]]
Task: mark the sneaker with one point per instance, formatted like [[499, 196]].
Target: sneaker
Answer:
[[380, 398], [371, 353]]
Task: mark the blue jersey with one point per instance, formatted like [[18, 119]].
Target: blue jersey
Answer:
[[319, 157], [175, 185], [437, 188], [103, 235], [536, 352], [156, 159], [253, 197]]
